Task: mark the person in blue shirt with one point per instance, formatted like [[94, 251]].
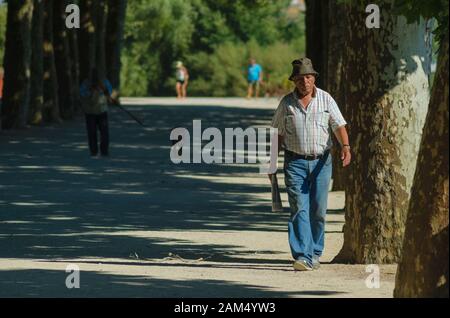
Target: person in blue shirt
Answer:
[[95, 96], [254, 78]]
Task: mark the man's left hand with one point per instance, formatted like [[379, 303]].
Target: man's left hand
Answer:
[[346, 156]]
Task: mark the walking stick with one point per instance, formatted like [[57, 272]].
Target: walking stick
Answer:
[[116, 103]]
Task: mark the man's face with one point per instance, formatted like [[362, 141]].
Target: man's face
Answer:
[[305, 83]]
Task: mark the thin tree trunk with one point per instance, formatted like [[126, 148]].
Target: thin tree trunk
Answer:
[[17, 60], [63, 60], [334, 83], [325, 22], [74, 57], [423, 269], [102, 15], [37, 61], [316, 25], [114, 39], [387, 87], [87, 37], [325, 34], [51, 103]]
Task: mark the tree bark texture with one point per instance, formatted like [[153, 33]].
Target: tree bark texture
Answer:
[[87, 38], [51, 102], [316, 37], [334, 83], [387, 93], [63, 60], [423, 269], [114, 40], [17, 60], [101, 21], [37, 60]]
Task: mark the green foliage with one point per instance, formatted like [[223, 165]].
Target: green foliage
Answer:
[[214, 38], [224, 73], [413, 10], [156, 32], [3, 12], [211, 28], [259, 19]]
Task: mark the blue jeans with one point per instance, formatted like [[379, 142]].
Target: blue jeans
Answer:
[[307, 184]]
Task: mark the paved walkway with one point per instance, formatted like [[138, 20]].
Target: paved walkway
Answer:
[[139, 226]]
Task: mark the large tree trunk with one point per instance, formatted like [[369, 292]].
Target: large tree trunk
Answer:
[[388, 97], [17, 59], [114, 39], [37, 62], [423, 269], [87, 37], [63, 60], [51, 102]]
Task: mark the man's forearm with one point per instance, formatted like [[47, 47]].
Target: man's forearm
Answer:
[[342, 135]]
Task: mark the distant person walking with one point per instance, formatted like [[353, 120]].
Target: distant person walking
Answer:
[[182, 76], [254, 78], [95, 95]]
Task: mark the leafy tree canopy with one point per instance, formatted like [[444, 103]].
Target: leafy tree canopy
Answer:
[[160, 32]]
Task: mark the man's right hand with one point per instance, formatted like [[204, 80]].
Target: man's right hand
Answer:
[[346, 156]]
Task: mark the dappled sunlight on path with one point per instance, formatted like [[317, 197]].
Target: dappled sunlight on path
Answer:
[[140, 226]]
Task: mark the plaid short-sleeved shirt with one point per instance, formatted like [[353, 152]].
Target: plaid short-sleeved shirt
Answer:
[[307, 132]]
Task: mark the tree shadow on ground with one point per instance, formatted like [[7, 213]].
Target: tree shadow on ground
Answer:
[[93, 284], [58, 203]]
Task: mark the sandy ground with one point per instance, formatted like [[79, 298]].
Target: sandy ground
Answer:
[[138, 225]]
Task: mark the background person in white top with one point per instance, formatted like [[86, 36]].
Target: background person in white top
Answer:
[[304, 118], [182, 76]]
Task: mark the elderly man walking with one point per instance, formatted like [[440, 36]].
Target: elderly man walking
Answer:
[[303, 119]]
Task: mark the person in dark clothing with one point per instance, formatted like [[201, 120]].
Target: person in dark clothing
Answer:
[[95, 96]]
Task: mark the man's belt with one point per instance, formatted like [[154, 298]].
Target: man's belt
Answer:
[[307, 157]]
